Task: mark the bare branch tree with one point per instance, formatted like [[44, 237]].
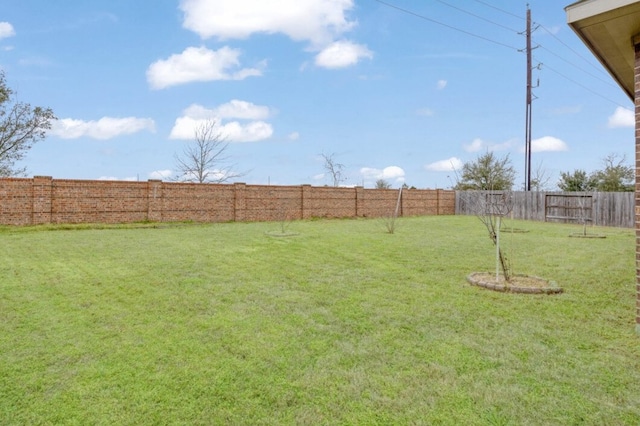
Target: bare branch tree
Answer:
[[20, 127], [390, 220], [335, 169], [206, 159], [540, 178], [585, 203], [490, 207]]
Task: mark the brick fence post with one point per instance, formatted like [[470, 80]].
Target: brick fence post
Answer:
[[154, 197], [305, 206], [42, 187], [636, 42], [360, 203], [240, 201]]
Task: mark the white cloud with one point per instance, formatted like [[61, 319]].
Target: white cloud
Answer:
[[319, 176], [6, 30], [388, 173], [393, 172], [622, 117], [243, 110], [234, 131], [317, 21], [198, 64], [233, 109], [105, 128], [475, 145], [548, 143], [447, 165], [212, 175], [251, 132], [441, 84], [130, 179], [294, 136], [479, 145], [502, 146], [160, 174], [342, 54]]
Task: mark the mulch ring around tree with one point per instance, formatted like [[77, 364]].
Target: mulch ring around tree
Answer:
[[580, 235], [514, 230], [281, 234], [525, 284]]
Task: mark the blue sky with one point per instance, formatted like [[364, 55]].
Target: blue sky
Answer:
[[401, 90]]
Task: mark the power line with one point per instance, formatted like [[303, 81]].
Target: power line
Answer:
[[584, 87], [417, 15], [571, 49], [575, 52], [426, 18], [498, 9], [477, 16], [578, 67]]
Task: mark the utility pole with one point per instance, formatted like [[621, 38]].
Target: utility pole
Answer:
[[527, 138]]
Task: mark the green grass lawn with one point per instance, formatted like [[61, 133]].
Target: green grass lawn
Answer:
[[341, 323]]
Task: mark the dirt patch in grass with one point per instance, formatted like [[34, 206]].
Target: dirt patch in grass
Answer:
[[518, 284], [281, 234], [576, 235], [515, 230]]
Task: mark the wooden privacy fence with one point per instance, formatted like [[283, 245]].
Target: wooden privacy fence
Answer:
[[596, 208]]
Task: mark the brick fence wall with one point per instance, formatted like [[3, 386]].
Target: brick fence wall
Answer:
[[636, 68], [42, 200]]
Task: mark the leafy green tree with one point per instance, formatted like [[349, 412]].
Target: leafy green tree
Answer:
[[20, 127], [616, 175], [578, 181], [382, 184], [487, 172]]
